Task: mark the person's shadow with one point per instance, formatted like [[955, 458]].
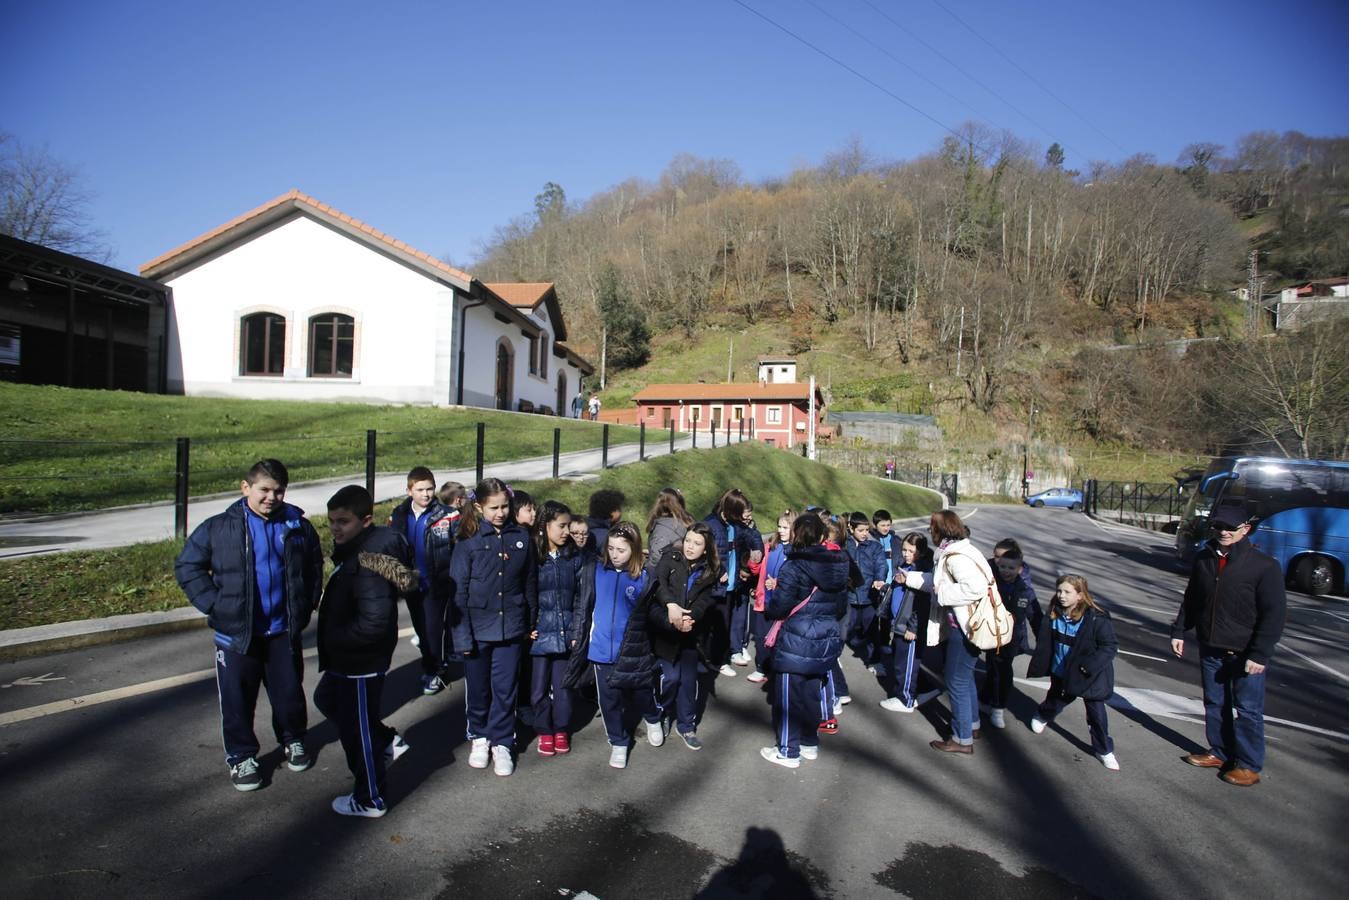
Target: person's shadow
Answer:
[[762, 870]]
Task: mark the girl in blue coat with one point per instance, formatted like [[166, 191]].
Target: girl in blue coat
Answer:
[[618, 587], [496, 591], [561, 603], [1076, 648], [810, 599]]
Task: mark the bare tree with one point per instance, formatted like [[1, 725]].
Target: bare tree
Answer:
[[43, 200]]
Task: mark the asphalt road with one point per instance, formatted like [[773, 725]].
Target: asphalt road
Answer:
[[130, 797]]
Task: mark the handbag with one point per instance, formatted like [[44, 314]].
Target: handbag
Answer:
[[770, 640], [989, 626]]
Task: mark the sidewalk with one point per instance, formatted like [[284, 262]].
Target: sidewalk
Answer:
[[154, 522]]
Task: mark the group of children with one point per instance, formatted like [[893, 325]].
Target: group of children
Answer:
[[517, 593]]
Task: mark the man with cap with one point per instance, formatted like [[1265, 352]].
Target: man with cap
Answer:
[[1235, 603]]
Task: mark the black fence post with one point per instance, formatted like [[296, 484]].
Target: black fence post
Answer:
[[751, 429], [712, 430], [557, 451], [180, 478], [728, 432], [641, 442], [742, 431], [955, 488], [672, 449], [604, 448], [478, 455], [695, 435], [370, 461]]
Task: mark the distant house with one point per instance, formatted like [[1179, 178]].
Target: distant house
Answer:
[[776, 413], [70, 321], [777, 369], [296, 300], [1315, 301]]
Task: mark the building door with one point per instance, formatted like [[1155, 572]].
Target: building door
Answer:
[[505, 367], [562, 393]]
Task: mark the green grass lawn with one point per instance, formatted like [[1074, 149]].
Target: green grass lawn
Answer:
[[66, 587], [63, 449]]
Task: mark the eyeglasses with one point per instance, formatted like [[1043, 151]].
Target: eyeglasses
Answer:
[[1229, 528]]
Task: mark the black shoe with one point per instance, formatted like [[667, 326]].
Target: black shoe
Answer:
[[245, 775], [297, 757]]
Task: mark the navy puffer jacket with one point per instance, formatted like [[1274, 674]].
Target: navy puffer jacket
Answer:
[[496, 586], [358, 620], [561, 603], [437, 544], [811, 640]]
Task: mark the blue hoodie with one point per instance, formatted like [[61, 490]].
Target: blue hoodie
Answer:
[[616, 593]]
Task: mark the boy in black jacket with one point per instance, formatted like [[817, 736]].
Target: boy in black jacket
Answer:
[[429, 527], [358, 630]]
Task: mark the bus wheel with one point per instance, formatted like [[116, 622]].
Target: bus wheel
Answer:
[[1315, 575]]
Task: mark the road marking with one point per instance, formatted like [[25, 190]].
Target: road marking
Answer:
[[34, 680], [122, 693], [1143, 655], [1317, 663]]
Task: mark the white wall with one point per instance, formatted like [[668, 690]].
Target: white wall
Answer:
[[298, 269]]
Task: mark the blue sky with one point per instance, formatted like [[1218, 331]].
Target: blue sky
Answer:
[[439, 122]]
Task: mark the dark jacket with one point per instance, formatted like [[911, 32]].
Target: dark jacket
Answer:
[[615, 626], [1089, 670], [869, 556], [912, 609], [496, 586], [561, 603], [743, 548], [693, 589], [1019, 598], [358, 619], [1240, 610], [215, 570], [810, 641], [437, 549]]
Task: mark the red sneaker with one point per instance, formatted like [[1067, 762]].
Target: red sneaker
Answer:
[[561, 743], [829, 726], [547, 747]]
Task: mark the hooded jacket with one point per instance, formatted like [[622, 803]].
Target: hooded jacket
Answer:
[[869, 556], [216, 571], [358, 619], [693, 588], [1241, 609], [812, 639], [437, 551], [1088, 671], [561, 602]]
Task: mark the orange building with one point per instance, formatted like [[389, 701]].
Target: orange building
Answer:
[[776, 413]]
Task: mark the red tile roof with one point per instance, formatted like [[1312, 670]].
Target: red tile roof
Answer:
[[524, 294], [297, 200], [745, 390]]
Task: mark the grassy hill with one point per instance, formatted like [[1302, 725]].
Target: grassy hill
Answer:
[[91, 584]]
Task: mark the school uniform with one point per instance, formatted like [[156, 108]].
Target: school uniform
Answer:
[[769, 568], [560, 604], [430, 534], [808, 643], [357, 634], [1020, 600], [258, 581], [734, 547], [613, 639], [909, 609], [869, 558], [691, 586], [496, 578], [1079, 659]]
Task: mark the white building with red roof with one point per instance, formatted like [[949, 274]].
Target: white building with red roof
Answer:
[[296, 300]]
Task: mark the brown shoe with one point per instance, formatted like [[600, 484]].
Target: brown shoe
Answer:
[[950, 746], [976, 735], [1204, 760], [1241, 777]]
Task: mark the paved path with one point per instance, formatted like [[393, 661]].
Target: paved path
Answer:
[[154, 522], [111, 756]]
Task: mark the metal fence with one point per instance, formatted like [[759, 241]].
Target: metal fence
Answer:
[[1139, 499], [871, 462]]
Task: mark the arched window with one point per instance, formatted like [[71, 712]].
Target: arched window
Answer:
[[331, 341], [262, 344]]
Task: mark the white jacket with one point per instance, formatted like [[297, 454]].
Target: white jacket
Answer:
[[959, 578]]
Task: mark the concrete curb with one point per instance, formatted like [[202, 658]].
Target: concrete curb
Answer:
[[21, 643]]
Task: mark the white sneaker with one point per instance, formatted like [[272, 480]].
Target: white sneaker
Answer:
[[479, 754], [927, 697], [1038, 725], [756, 677], [502, 763], [397, 747], [346, 805], [727, 670], [808, 752], [772, 755], [844, 699], [838, 707], [1108, 760], [655, 733], [415, 641], [997, 717], [894, 704], [618, 757], [741, 658]]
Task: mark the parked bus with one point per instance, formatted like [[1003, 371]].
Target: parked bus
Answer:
[[1301, 508]]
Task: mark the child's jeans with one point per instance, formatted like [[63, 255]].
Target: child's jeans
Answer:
[[1097, 724]]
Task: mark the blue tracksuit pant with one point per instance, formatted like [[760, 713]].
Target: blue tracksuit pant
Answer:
[[796, 711], [491, 683], [352, 704], [677, 690], [272, 662], [620, 708], [550, 701]]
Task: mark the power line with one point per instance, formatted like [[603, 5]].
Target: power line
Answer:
[[953, 64], [1033, 80], [841, 64]]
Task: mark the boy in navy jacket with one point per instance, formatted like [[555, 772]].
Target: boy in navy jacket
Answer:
[[1019, 598], [869, 558], [358, 630], [428, 525], [256, 571]]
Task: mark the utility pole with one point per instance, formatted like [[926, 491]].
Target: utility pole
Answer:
[[730, 359], [960, 341], [810, 440], [604, 352], [1253, 294]]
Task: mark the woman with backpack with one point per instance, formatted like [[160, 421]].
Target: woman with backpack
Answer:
[[960, 578]]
